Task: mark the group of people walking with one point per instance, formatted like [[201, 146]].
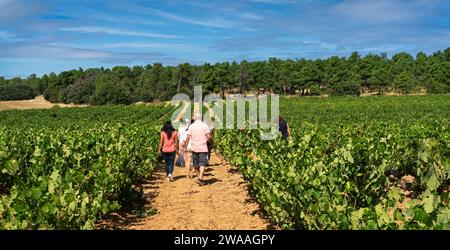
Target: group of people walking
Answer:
[[192, 141]]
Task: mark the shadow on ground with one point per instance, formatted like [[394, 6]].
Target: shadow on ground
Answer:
[[131, 215]]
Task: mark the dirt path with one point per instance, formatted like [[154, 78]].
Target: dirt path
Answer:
[[222, 203]]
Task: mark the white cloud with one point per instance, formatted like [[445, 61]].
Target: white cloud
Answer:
[[8, 37], [274, 1], [105, 16], [151, 45], [75, 53], [319, 44], [217, 22], [111, 31], [137, 45], [52, 52], [251, 16]]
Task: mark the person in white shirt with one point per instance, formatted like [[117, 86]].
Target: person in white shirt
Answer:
[[182, 134], [186, 149]]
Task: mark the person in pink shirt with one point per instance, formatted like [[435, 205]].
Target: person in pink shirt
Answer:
[[198, 135], [168, 143]]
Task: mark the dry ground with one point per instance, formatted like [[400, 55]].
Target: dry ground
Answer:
[[222, 203], [37, 103]]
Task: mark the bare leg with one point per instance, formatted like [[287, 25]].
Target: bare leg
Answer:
[[202, 170], [187, 162], [197, 171]]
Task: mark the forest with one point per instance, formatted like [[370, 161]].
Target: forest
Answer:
[[352, 75]]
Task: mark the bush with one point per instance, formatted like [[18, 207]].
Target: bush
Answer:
[[109, 93], [315, 90], [80, 92], [17, 92], [438, 88], [403, 82], [346, 89], [144, 94], [52, 94]]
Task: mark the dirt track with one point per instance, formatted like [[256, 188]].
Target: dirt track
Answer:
[[223, 203]]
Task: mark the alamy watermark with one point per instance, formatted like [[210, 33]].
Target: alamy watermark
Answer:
[[236, 111]]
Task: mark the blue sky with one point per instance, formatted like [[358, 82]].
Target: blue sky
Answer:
[[43, 36]]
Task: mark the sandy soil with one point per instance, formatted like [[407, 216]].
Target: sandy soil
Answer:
[[37, 103], [223, 203]]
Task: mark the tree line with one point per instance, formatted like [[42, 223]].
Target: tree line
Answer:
[[402, 73]]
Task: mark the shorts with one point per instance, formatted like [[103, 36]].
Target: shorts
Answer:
[[200, 159]]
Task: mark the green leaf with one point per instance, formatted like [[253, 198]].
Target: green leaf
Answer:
[[72, 206], [37, 193], [443, 217], [394, 194], [433, 182], [348, 156], [51, 187], [12, 166], [428, 203], [24, 224], [88, 226], [383, 217]]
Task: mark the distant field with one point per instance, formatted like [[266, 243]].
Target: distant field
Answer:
[[37, 103]]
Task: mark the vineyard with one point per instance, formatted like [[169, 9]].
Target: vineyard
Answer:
[[351, 163], [347, 161], [65, 168]]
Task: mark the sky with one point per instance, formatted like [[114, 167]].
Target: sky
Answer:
[[43, 36]]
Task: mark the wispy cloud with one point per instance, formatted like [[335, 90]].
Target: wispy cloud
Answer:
[[251, 16], [215, 22], [154, 45], [270, 41], [8, 37], [274, 1], [50, 51], [139, 45], [99, 15], [112, 31], [74, 53]]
